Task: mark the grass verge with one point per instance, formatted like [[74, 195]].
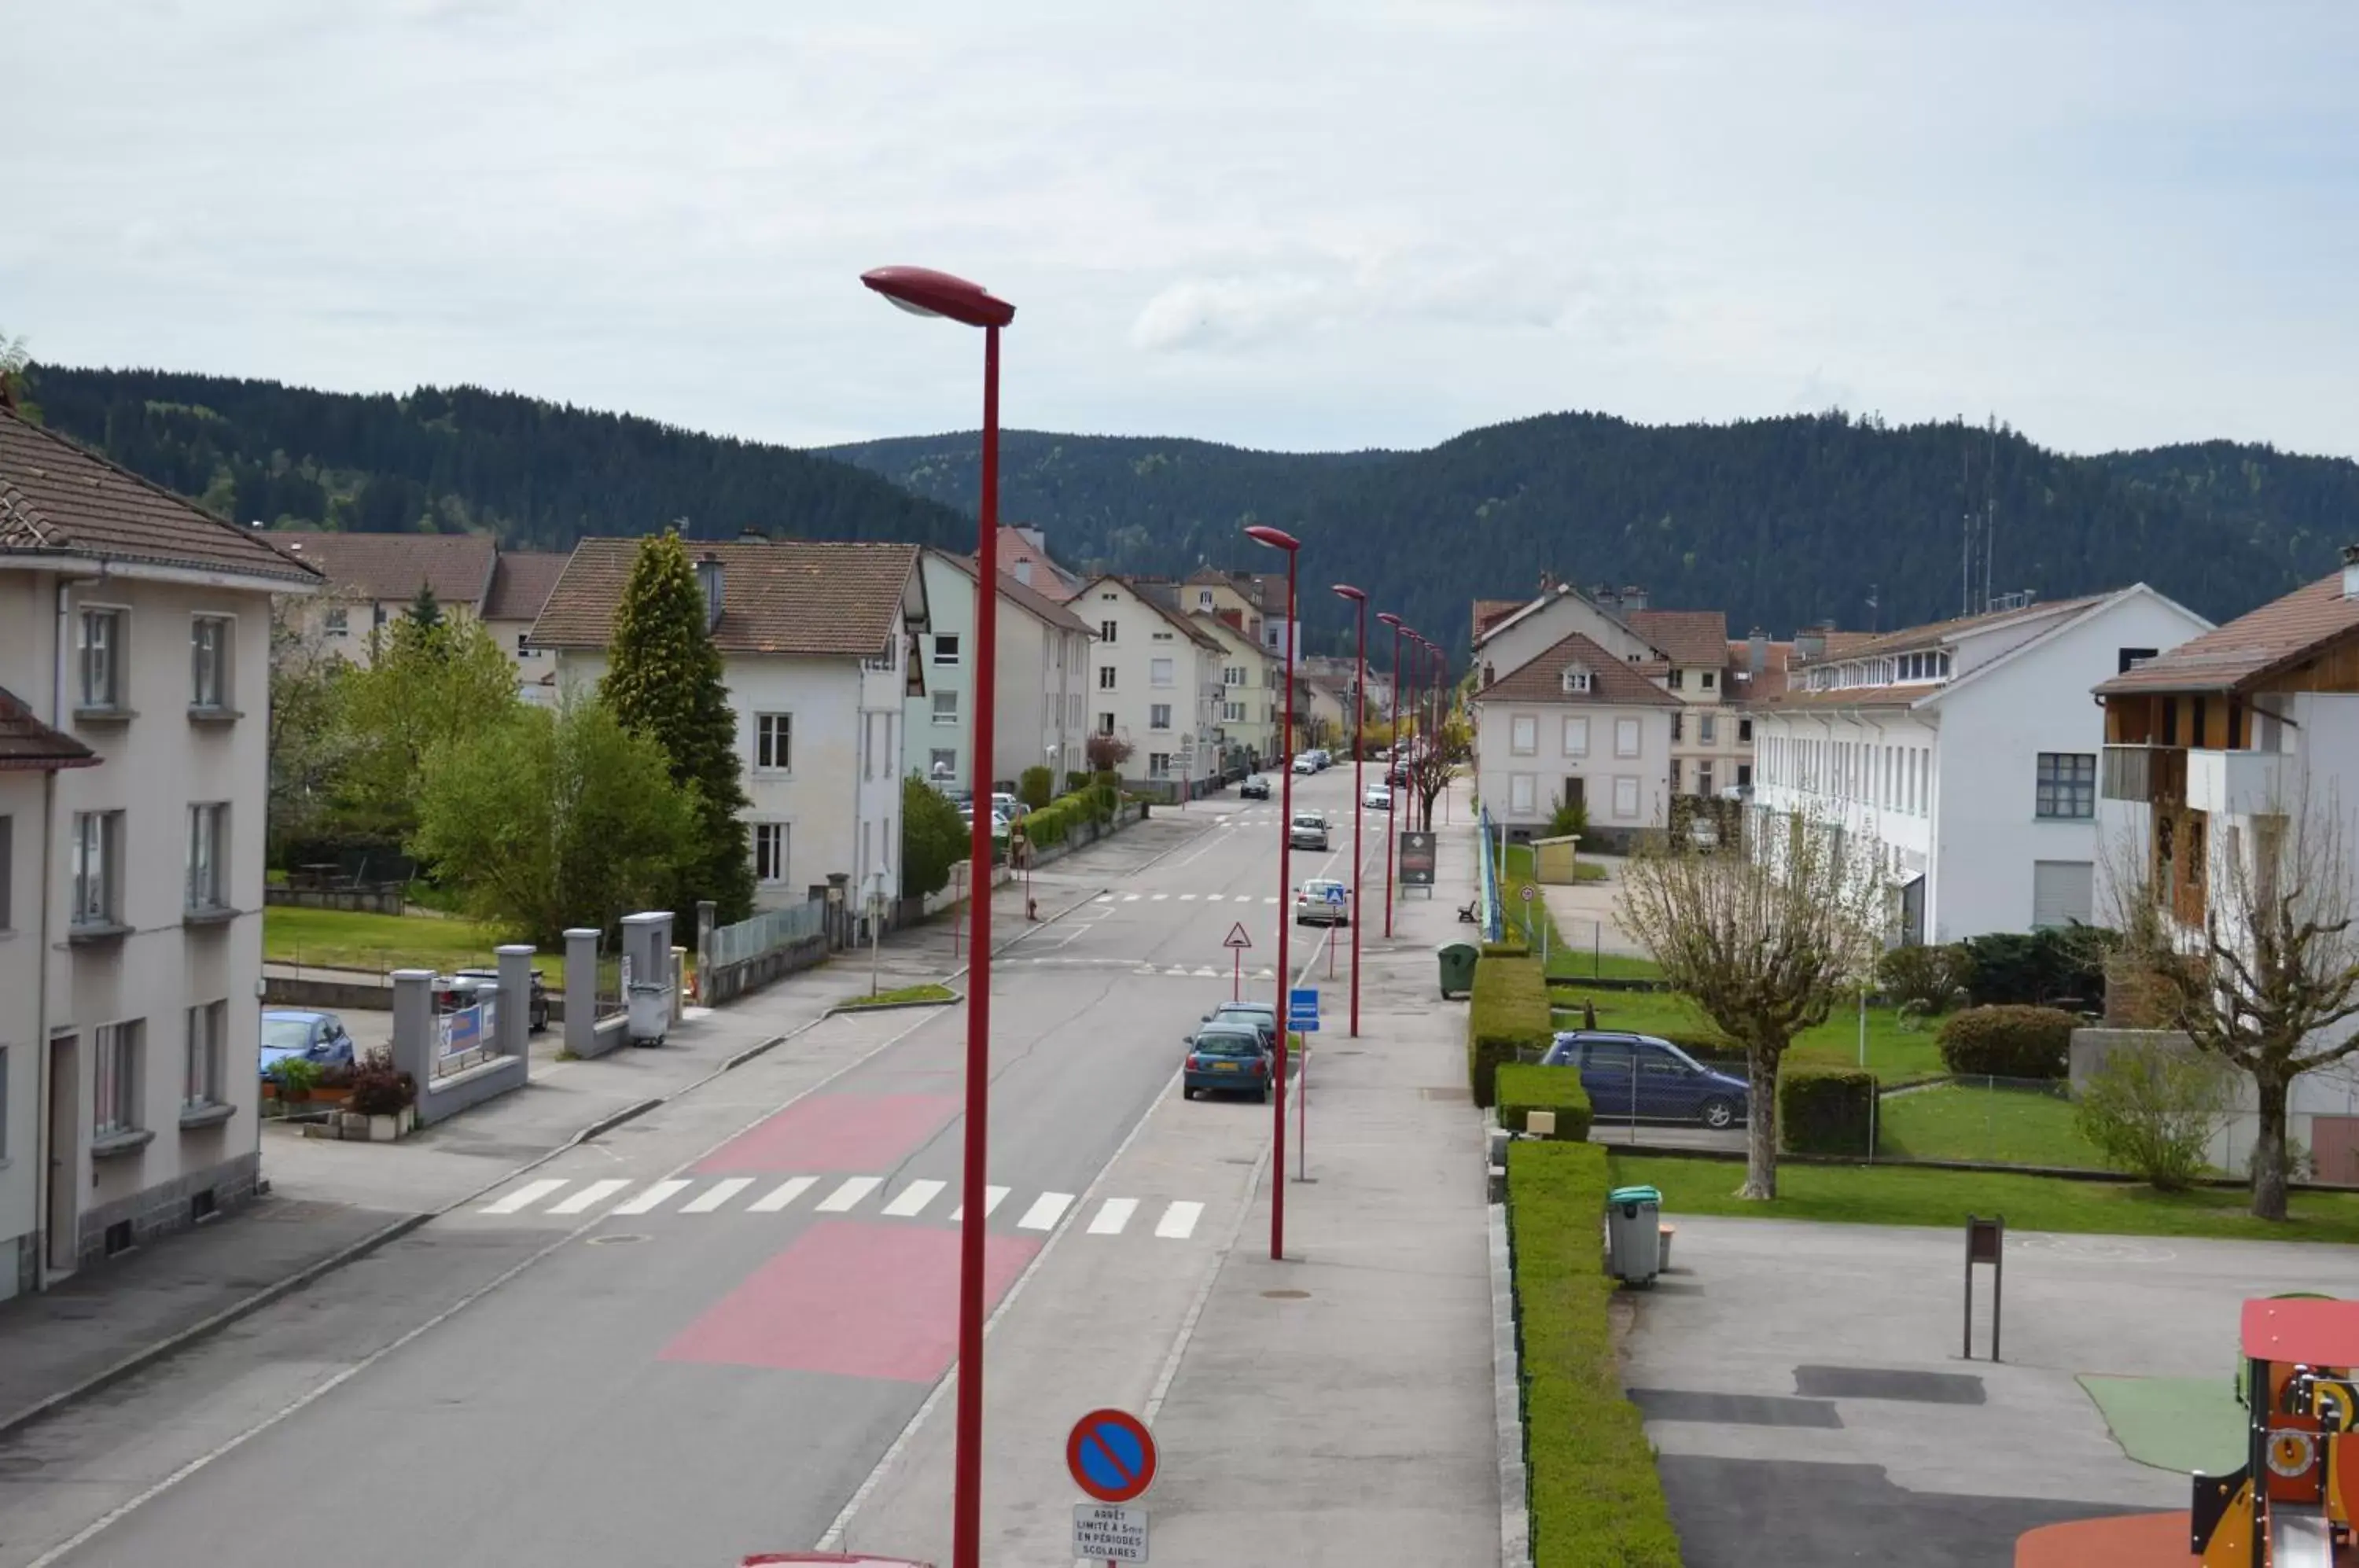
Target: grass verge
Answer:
[[347, 939], [1896, 1055], [2001, 1124], [1596, 1501], [1565, 960], [927, 992]]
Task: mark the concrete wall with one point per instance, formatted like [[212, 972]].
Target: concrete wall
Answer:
[[21, 1035], [725, 983], [373, 901]]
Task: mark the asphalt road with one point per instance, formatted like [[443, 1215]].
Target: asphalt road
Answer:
[[696, 1336]]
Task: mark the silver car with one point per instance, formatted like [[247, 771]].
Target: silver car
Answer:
[[1308, 831]]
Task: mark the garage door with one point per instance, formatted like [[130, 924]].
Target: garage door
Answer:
[[2062, 891]]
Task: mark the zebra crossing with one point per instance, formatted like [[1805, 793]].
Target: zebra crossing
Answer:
[[1139, 966], [565, 1198], [1234, 899]]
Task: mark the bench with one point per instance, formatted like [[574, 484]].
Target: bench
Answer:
[[1466, 913]]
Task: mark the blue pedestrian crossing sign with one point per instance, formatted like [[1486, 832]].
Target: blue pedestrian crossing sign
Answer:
[[1302, 1010]]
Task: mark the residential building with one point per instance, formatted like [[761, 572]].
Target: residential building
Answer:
[[1322, 712], [1758, 669], [818, 649], [1024, 555], [1040, 685], [1575, 723], [1965, 753], [1156, 683], [520, 583], [135, 654], [373, 579], [1255, 593], [1250, 688]]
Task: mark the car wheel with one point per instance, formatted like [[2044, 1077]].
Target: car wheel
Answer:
[[1717, 1114], [1187, 1094]]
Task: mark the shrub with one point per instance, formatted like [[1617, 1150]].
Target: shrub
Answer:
[[2039, 968], [295, 1077], [1036, 787], [1597, 1500], [1933, 979], [2008, 1042], [1826, 1110], [1507, 1017], [1076, 782], [2152, 1113], [1523, 1088], [1569, 817], [379, 1089]]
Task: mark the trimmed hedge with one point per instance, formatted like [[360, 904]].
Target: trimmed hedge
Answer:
[[1507, 1017], [2009, 1042], [1597, 1500], [1523, 1087], [1825, 1110]]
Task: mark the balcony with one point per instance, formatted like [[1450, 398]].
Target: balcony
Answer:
[[2143, 773], [2237, 783]]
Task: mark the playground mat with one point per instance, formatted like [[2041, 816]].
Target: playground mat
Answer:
[[2184, 1424]]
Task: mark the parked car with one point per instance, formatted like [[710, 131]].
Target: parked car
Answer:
[[1254, 789], [1309, 830], [314, 1037], [540, 1017], [1638, 1075], [1261, 1015], [1305, 762], [1226, 1057], [1007, 806], [1322, 758], [1323, 901], [1377, 798]]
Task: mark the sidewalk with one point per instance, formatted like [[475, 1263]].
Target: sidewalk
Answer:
[[331, 1202], [1584, 911]]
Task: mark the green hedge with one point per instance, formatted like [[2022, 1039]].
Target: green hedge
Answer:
[[2009, 1041], [1825, 1110], [1596, 1501], [1507, 947], [1524, 1086], [1507, 1017]]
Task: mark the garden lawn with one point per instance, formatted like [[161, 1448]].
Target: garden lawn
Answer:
[[2010, 1124], [1889, 1195], [1568, 962], [346, 939], [1893, 1054]]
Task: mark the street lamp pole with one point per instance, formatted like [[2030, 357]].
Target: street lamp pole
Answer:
[[924, 292], [1277, 538], [1359, 793], [1391, 762]]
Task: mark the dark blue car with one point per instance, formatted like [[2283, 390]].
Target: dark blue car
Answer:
[[1227, 1057], [1639, 1077], [316, 1036]]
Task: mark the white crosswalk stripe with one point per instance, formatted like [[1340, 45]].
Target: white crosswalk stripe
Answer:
[[1130, 897], [1179, 1221], [523, 1197], [1113, 1215], [992, 1199], [912, 1199], [590, 1197], [785, 1193], [918, 1200], [848, 1195], [1043, 1212], [658, 1194], [717, 1194]]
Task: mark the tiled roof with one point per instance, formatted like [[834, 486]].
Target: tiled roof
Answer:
[[2228, 658], [26, 742], [458, 567], [1691, 636], [1933, 634], [60, 498], [1611, 680], [1053, 580], [521, 583], [1776, 662], [1796, 698], [1266, 589], [1212, 618], [1036, 605], [1487, 612], [788, 596]]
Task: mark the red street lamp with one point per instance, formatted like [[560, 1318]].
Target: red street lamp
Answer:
[[1391, 763], [1279, 539], [924, 292], [1359, 796]]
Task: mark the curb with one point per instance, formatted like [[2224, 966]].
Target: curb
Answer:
[[842, 1009], [1507, 1395]]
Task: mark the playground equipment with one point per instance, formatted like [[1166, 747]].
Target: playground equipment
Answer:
[[2290, 1504]]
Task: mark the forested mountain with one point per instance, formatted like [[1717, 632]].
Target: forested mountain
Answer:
[[1779, 522]]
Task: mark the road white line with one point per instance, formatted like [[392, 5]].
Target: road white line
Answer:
[[1179, 1221], [526, 1196], [844, 1197], [1269, 898], [1113, 1215], [1130, 897], [1156, 897], [1187, 898], [590, 1197], [991, 1198], [1042, 1214], [1213, 897], [720, 1192], [779, 1196], [656, 1196], [913, 1199]]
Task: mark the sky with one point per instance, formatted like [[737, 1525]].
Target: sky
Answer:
[[1295, 225]]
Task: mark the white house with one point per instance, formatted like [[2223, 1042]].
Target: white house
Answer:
[[1574, 723], [1966, 752], [135, 654], [1250, 684], [1040, 689], [818, 646], [374, 578], [1259, 598], [1156, 682]]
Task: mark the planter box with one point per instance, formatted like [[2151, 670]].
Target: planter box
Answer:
[[317, 1100], [352, 1127]]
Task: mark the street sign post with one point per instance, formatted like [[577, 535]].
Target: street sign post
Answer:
[[1112, 1455], [1302, 1010], [1236, 942], [1105, 1533]]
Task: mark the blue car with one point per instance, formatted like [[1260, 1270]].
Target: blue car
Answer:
[[1638, 1077], [318, 1038], [1227, 1057]]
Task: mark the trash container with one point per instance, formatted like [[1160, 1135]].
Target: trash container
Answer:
[[1634, 1235], [648, 1012], [1458, 960]]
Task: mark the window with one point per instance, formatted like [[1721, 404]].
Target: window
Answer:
[[209, 663], [1523, 734], [774, 742], [1678, 728], [942, 764], [946, 707], [1576, 681], [97, 845], [770, 852], [1232, 713], [1159, 765], [1625, 737], [208, 851], [1159, 637], [1105, 677], [116, 1103], [1679, 679], [1158, 716], [1745, 732], [1744, 774], [1105, 724], [339, 622], [1203, 598], [1710, 679], [2068, 784], [1576, 737], [1625, 796], [2062, 892], [207, 1035], [377, 611], [1706, 729], [1703, 777], [946, 650], [1232, 675], [1159, 671], [1106, 628], [101, 658], [2129, 656], [1520, 792]]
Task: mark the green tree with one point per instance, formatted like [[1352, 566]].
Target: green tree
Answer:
[[1037, 787], [428, 686], [933, 838], [555, 818], [17, 378], [663, 680], [308, 739], [425, 610]]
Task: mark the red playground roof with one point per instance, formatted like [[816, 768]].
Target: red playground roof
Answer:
[[2312, 1332]]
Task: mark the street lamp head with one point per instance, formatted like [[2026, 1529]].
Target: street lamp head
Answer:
[[1345, 591], [922, 291], [1388, 618], [1276, 539]]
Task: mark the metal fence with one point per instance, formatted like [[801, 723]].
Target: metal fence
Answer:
[[765, 932], [609, 989], [1492, 915]]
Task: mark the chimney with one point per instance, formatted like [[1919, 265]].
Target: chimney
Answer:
[[1759, 651], [2350, 571], [708, 577], [1548, 582], [1810, 642], [749, 534], [1634, 598], [1603, 594]]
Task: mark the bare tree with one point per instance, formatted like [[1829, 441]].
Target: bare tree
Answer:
[[2246, 946], [1435, 761], [1767, 941]]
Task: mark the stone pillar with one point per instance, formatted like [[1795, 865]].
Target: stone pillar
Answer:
[[413, 1024], [513, 1024], [581, 990], [706, 915]]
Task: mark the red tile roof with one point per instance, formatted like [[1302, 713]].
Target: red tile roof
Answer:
[[521, 584], [1051, 580], [1612, 681], [1691, 638], [1039, 606], [785, 597], [458, 567], [1488, 613], [2253, 645], [1776, 664], [27, 744]]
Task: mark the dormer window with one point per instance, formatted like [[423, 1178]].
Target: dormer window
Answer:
[[1576, 681]]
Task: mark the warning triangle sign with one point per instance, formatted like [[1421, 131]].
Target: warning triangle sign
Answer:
[[1237, 937]]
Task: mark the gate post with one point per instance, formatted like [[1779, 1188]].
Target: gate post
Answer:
[[513, 1023], [581, 990], [413, 1027]]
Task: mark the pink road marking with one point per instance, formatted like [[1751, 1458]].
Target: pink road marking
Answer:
[[851, 1300], [829, 1134]]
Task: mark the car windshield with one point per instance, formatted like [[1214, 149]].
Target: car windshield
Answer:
[[286, 1034], [1245, 1010], [1309, 820], [1225, 1044]]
